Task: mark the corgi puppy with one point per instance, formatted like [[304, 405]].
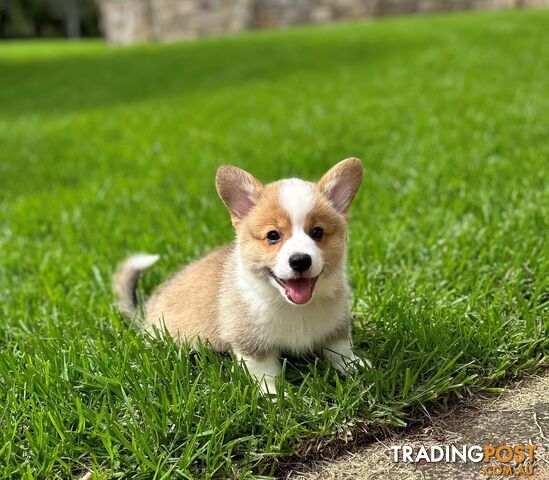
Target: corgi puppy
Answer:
[[280, 287]]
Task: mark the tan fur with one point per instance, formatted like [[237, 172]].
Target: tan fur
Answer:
[[187, 303], [124, 277], [226, 177], [335, 231], [267, 215], [350, 171]]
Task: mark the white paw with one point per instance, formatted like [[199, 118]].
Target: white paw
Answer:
[[350, 364], [363, 362], [267, 386]]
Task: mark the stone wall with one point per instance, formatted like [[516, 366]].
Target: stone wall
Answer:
[[405, 7], [282, 13], [176, 19], [130, 21], [125, 21]]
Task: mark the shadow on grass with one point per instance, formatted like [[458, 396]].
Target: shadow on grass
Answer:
[[117, 76]]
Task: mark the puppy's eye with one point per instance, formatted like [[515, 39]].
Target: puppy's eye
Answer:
[[316, 233], [273, 236]]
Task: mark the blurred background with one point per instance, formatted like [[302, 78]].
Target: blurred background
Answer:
[[131, 21], [49, 18]]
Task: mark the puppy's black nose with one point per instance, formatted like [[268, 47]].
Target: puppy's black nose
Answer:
[[300, 262]]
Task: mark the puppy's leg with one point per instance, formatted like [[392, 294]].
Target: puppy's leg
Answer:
[[339, 351], [264, 367]]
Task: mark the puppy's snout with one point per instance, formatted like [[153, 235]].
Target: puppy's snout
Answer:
[[300, 261]]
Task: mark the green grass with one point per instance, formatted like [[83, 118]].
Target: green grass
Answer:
[[106, 151]]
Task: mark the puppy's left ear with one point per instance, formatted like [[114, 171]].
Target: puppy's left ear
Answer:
[[340, 184]]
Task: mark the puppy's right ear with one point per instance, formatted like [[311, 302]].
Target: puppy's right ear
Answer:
[[238, 189]]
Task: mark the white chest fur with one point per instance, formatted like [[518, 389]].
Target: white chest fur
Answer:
[[298, 329], [293, 328]]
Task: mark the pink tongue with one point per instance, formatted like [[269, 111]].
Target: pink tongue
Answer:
[[299, 290]]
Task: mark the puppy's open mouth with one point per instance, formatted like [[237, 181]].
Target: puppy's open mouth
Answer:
[[298, 290]]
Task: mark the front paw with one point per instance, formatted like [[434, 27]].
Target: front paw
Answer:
[[362, 362], [267, 386]]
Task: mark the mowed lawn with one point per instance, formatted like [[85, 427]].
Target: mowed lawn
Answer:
[[107, 151]]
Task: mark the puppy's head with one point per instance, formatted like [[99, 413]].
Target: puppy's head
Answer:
[[291, 233]]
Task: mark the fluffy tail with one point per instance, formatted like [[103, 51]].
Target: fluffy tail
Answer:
[[125, 281]]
